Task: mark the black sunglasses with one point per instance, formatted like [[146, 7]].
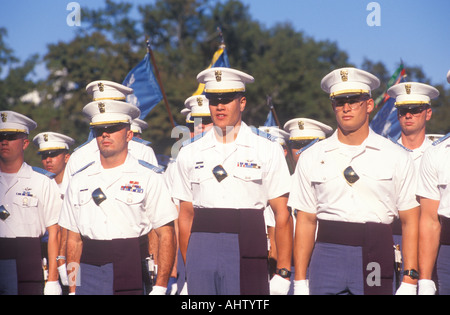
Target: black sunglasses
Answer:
[[412, 110], [98, 131], [299, 144], [204, 120], [12, 136]]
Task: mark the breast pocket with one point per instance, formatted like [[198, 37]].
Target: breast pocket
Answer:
[[325, 182], [199, 176], [27, 207], [249, 174], [83, 197], [130, 198]]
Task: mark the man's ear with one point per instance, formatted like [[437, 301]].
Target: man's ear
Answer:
[[242, 103]]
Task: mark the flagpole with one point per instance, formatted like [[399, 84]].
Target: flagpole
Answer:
[[149, 50], [272, 109], [290, 157]]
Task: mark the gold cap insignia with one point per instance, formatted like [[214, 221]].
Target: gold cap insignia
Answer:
[[101, 108], [408, 88], [4, 117], [101, 86], [301, 125], [200, 101], [218, 74], [344, 75], [45, 137]]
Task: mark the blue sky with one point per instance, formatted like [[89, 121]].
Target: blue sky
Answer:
[[416, 31]]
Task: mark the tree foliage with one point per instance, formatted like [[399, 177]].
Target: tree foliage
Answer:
[[288, 66]]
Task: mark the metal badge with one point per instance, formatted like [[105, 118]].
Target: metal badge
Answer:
[[218, 75], [350, 175], [220, 173], [4, 214], [408, 88], [4, 117], [344, 75], [98, 196], [101, 107]]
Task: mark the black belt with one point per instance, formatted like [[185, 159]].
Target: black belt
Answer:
[[27, 253], [125, 255], [377, 247], [249, 224]]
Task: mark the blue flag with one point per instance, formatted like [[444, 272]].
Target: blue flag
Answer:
[[147, 92], [220, 59], [270, 121], [385, 122]]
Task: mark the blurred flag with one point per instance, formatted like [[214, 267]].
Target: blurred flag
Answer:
[[270, 121], [220, 59], [385, 122], [147, 92]]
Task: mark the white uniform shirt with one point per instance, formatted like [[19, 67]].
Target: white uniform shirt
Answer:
[[256, 168], [434, 176], [89, 152], [417, 154], [33, 201], [137, 201], [386, 182]]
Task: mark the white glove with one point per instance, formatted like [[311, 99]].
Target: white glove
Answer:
[[427, 287], [279, 285], [52, 288], [407, 289], [158, 290], [184, 291], [173, 289], [62, 270], [301, 287]]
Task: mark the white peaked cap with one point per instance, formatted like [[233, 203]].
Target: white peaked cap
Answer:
[[224, 80], [13, 122], [198, 105], [108, 90], [412, 93], [305, 128], [349, 81], [110, 112], [138, 125], [52, 141]]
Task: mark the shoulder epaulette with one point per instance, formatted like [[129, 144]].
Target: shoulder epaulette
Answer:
[[400, 145], [43, 172], [83, 168], [263, 134], [154, 168], [443, 139], [193, 139], [79, 147], [306, 147], [139, 140]]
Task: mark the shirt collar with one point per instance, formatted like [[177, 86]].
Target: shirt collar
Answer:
[[372, 141]]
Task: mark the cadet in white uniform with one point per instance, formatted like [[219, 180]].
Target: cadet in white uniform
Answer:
[[83, 155], [111, 206], [30, 204], [54, 151], [352, 185], [226, 179], [434, 233], [304, 131], [413, 103]]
